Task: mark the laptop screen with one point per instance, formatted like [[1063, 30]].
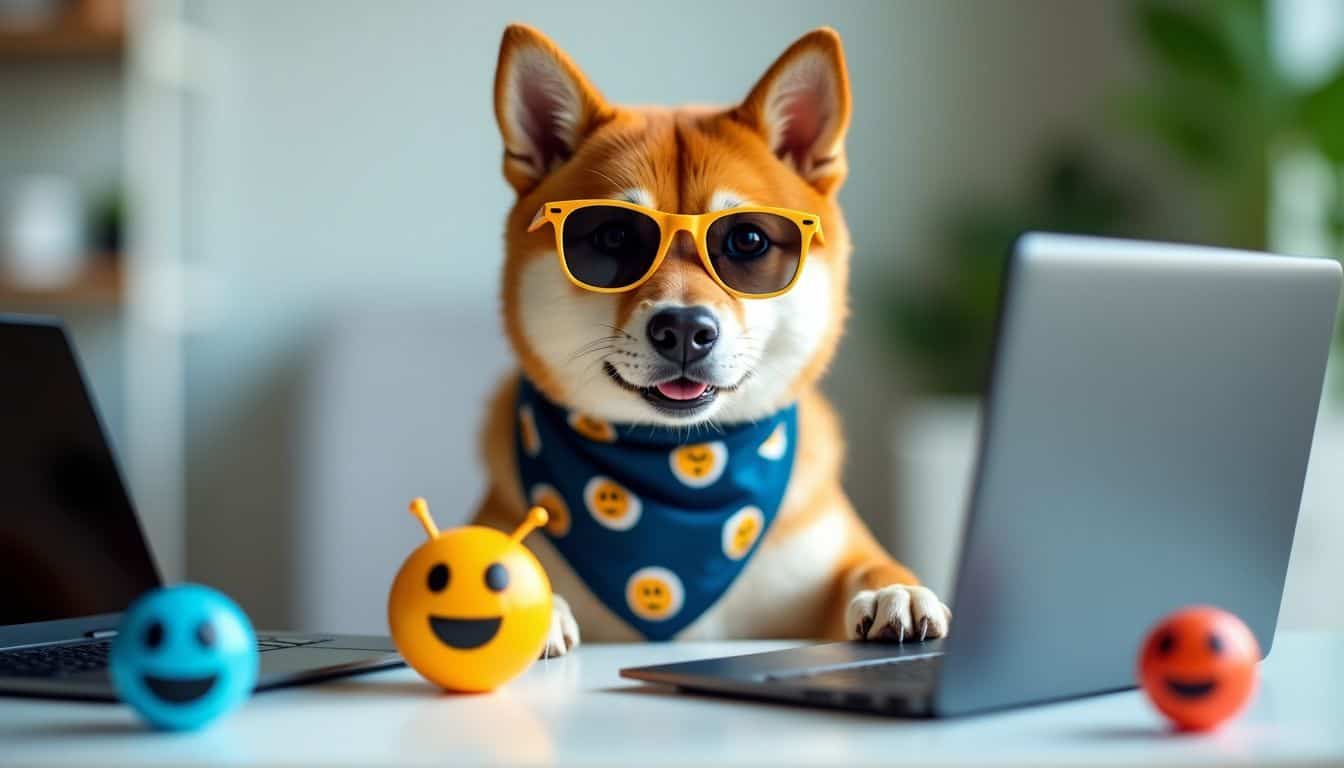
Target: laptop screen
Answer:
[[70, 544]]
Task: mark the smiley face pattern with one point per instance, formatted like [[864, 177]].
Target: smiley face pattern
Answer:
[[658, 523], [698, 465], [611, 504], [592, 427], [654, 593], [741, 532], [528, 438]]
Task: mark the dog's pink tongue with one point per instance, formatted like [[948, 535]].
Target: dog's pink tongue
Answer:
[[682, 389]]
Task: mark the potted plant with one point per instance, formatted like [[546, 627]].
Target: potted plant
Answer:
[[1264, 145], [943, 325], [1252, 102]]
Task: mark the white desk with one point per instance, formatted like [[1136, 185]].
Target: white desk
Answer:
[[577, 710]]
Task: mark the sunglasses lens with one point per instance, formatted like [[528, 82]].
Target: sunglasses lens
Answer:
[[609, 247], [755, 253]]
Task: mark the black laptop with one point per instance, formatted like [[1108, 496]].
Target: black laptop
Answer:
[[72, 555]]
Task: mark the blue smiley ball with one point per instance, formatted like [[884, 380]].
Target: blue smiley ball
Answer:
[[184, 656]]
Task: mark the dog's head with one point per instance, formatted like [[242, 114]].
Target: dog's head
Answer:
[[679, 349]]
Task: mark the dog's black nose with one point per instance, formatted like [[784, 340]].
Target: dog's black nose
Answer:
[[684, 335]]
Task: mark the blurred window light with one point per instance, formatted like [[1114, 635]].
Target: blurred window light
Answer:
[[1307, 37]]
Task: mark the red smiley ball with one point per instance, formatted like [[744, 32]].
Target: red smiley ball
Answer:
[[1198, 667]]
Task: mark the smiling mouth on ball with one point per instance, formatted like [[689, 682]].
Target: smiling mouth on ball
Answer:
[[1191, 690], [464, 634], [179, 690]]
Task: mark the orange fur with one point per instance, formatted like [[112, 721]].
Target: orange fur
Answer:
[[682, 157]]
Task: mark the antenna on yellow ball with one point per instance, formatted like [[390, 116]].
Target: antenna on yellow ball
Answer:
[[420, 509], [536, 517]]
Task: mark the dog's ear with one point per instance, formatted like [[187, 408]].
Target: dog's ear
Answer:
[[801, 108], [544, 105]]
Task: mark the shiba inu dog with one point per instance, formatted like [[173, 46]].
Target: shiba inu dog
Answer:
[[674, 285]]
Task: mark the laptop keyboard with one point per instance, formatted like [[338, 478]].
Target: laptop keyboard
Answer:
[[72, 659], [907, 672], [54, 660]]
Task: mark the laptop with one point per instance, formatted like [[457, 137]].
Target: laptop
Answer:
[[1144, 440], [72, 555]]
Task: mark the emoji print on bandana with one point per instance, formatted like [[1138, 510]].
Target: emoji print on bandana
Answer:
[[611, 504], [547, 497], [527, 431], [699, 464], [592, 428], [696, 505], [654, 593], [775, 445], [741, 531]]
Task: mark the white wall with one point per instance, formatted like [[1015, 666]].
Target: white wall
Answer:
[[345, 155]]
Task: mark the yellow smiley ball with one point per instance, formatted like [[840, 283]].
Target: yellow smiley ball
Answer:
[[470, 608]]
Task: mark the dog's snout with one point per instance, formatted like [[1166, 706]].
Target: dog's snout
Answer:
[[684, 335]]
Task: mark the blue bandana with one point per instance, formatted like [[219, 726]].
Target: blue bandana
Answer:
[[657, 527]]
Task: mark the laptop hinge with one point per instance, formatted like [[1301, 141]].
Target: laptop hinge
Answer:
[[101, 634]]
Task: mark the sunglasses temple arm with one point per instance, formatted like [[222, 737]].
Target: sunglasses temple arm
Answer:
[[538, 221]]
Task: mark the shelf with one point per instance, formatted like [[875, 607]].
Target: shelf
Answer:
[[101, 285], [86, 28], [61, 41]]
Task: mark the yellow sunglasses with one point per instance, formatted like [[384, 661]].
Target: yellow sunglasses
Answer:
[[610, 246]]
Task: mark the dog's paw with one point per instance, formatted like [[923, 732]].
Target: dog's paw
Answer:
[[896, 613], [563, 635]]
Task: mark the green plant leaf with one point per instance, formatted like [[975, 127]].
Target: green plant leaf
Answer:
[[1190, 132], [944, 323], [1322, 116], [1188, 41]]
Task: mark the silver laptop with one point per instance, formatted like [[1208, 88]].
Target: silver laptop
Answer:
[[72, 555], [1145, 436]]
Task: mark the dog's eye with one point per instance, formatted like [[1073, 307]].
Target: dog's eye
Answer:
[[612, 238], [745, 242]]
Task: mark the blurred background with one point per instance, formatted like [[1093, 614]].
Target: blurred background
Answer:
[[275, 230]]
